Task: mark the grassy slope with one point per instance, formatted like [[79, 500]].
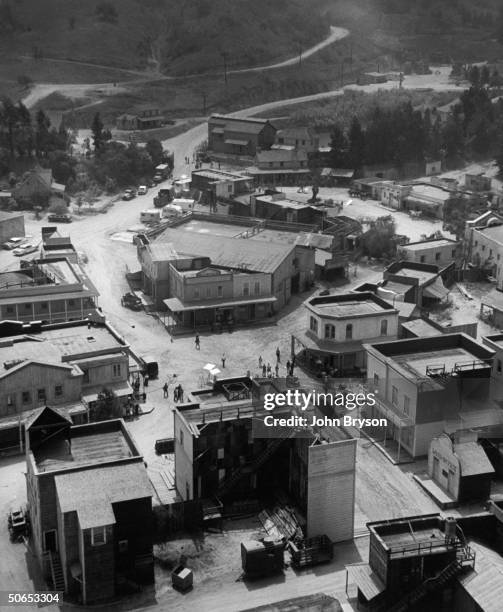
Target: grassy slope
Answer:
[[185, 35]]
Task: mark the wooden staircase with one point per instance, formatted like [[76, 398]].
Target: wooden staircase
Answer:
[[228, 483], [465, 559], [58, 579]]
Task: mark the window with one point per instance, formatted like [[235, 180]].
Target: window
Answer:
[[490, 252], [221, 474], [208, 292], [58, 390], [330, 332], [116, 370], [483, 247], [181, 437], [394, 396], [25, 397], [220, 291], [376, 380], [10, 310], [453, 253], [10, 400], [246, 289], [384, 327], [27, 306], [313, 325], [437, 256], [41, 395], [98, 536], [422, 259], [476, 243], [43, 305], [86, 375], [498, 365], [196, 293], [220, 453], [498, 257], [349, 331], [281, 164], [257, 288], [123, 546], [71, 302], [406, 405]]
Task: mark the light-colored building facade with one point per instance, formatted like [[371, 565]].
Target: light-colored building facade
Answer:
[[65, 365], [439, 251], [337, 326], [423, 383], [50, 291]]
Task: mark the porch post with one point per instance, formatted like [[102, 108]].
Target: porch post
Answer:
[[399, 441]]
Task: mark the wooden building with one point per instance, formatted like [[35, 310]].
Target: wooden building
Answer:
[[90, 505]]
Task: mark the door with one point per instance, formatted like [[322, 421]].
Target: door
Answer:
[[50, 541], [436, 469]]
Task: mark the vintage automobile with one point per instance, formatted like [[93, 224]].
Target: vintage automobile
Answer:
[[18, 526], [129, 194], [131, 301]]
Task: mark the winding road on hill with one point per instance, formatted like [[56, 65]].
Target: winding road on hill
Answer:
[[78, 90]]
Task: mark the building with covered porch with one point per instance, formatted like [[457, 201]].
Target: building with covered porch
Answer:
[[337, 326]]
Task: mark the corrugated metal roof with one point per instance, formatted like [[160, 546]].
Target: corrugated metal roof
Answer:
[[436, 290], [228, 252]]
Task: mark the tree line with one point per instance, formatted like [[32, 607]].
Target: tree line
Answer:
[[107, 165], [471, 128]]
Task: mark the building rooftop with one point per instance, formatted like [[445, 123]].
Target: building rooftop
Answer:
[[92, 492], [57, 344], [281, 155], [485, 583], [220, 175], [424, 244], [420, 358], [494, 232], [349, 305], [88, 445], [6, 216], [235, 124], [429, 192], [407, 271], [279, 199], [227, 252], [421, 328], [412, 536]]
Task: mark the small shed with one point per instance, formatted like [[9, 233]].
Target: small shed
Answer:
[[460, 466]]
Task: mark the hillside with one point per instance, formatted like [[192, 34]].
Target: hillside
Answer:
[[175, 36]]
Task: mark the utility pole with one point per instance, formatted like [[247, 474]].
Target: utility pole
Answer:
[[224, 55]]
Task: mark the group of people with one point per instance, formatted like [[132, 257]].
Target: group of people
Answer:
[[267, 370]]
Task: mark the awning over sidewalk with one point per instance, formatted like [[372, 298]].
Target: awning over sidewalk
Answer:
[[175, 305], [121, 389]]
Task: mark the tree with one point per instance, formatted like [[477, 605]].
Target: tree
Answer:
[[97, 130], [356, 151], [155, 150], [42, 136], [379, 240], [338, 148]]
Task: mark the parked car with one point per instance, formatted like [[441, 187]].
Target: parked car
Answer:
[[132, 301], [59, 218], [13, 243], [24, 249], [18, 525], [158, 178], [142, 190], [129, 194]]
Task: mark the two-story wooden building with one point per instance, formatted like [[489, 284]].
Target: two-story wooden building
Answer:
[[336, 328], [239, 136], [90, 506]]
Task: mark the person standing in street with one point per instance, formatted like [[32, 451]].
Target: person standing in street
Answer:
[[278, 354], [165, 389], [264, 370], [180, 393], [145, 381], [197, 343], [260, 361], [269, 369], [224, 357], [175, 395], [276, 369], [288, 368]]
